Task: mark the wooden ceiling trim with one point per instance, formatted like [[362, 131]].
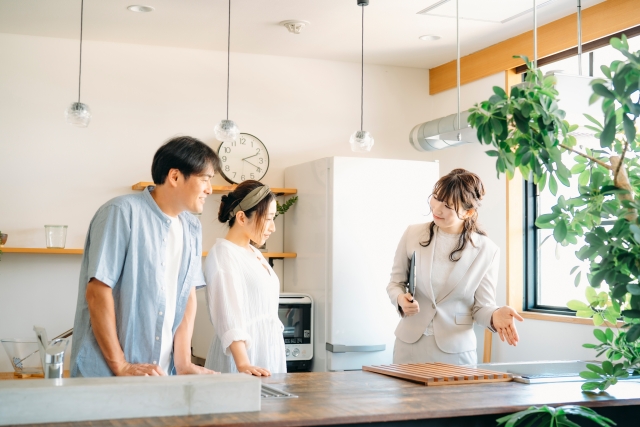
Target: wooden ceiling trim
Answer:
[[601, 20]]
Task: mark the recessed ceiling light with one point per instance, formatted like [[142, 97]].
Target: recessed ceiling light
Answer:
[[140, 8], [430, 37]]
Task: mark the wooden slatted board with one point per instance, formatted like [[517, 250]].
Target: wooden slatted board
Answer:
[[440, 373]]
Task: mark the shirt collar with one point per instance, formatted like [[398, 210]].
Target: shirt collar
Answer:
[[146, 193]]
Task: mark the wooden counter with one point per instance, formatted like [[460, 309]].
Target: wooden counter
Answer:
[[358, 397]]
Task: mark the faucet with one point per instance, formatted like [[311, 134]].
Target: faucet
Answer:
[[51, 354]]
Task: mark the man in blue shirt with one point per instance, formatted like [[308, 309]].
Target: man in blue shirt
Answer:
[[142, 262]]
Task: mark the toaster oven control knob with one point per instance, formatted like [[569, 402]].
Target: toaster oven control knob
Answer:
[[287, 352], [296, 352]]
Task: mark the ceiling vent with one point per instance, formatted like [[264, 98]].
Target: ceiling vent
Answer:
[[496, 11]]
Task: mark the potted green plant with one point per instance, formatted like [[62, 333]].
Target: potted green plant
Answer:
[[527, 131]]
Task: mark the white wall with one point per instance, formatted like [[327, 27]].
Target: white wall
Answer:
[[302, 109], [54, 173]]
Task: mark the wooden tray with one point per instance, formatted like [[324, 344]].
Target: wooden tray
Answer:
[[440, 373]]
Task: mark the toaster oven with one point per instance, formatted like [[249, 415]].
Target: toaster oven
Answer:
[[296, 314]]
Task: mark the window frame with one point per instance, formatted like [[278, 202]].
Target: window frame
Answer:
[[531, 266], [531, 196]]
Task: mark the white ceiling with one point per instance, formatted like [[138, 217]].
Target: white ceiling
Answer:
[[392, 27]]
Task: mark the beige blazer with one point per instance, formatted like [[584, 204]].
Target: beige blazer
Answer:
[[468, 295]]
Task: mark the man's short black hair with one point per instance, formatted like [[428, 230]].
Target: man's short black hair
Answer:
[[185, 153]]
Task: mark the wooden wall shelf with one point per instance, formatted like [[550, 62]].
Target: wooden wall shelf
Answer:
[[274, 255], [222, 189], [41, 251]]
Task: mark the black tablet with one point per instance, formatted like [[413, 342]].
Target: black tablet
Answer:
[[412, 275]]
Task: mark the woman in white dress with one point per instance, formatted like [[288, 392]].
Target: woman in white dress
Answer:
[[457, 273], [242, 289]]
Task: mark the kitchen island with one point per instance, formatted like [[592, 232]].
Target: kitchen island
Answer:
[[356, 397]]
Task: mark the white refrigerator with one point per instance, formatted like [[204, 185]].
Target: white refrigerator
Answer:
[[345, 228]]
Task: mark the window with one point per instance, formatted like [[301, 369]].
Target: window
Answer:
[[549, 284]]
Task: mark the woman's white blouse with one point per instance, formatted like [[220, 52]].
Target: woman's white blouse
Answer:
[[242, 296]]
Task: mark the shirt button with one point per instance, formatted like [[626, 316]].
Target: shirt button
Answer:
[[157, 338], [155, 362], [164, 240], [433, 306], [162, 264], [168, 221], [160, 313]]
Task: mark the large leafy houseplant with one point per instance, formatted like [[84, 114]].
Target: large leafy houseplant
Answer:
[[527, 132]]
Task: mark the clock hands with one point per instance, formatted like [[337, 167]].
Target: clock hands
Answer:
[[245, 159], [257, 167]]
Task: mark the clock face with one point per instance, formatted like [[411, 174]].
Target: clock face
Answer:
[[243, 159]]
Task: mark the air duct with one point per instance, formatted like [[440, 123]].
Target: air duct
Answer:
[[442, 133], [451, 130]]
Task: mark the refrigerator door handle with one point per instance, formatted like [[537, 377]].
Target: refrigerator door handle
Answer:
[[339, 348]]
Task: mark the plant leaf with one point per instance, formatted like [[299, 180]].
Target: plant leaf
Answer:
[[597, 319], [588, 375], [629, 128], [600, 335], [560, 231], [553, 185], [577, 305], [601, 90], [608, 133]]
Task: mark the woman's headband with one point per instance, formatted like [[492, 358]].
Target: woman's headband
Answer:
[[250, 200]]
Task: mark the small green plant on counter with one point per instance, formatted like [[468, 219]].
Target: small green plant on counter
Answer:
[[549, 416], [527, 132], [283, 208]]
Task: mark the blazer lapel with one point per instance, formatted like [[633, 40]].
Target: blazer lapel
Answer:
[[425, 258], [469, 254]]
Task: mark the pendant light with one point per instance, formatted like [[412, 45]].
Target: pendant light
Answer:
[[226, 130], [78, 114], [361, 140]]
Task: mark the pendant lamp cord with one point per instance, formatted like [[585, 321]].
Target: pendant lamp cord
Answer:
[[579, 37], [535, 34], [80, 72], [228, 56], [362, 75], [458, 62]]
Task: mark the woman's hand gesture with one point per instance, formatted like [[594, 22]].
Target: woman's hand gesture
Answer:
[[408, 304], [502, 321]]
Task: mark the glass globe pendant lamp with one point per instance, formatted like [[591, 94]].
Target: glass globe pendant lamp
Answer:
[[79, 114], [361, 140], [227, 130]]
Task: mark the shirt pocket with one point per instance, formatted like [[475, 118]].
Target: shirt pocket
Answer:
[[464, 319]]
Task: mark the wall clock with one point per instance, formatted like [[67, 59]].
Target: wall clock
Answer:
[[243, 159]]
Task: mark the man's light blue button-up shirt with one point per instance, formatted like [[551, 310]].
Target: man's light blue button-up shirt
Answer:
[[126, 249]]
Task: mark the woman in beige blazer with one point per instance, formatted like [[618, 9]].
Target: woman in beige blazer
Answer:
[[457, 272]]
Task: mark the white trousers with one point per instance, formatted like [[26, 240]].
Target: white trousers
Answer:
[[425, 350]]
